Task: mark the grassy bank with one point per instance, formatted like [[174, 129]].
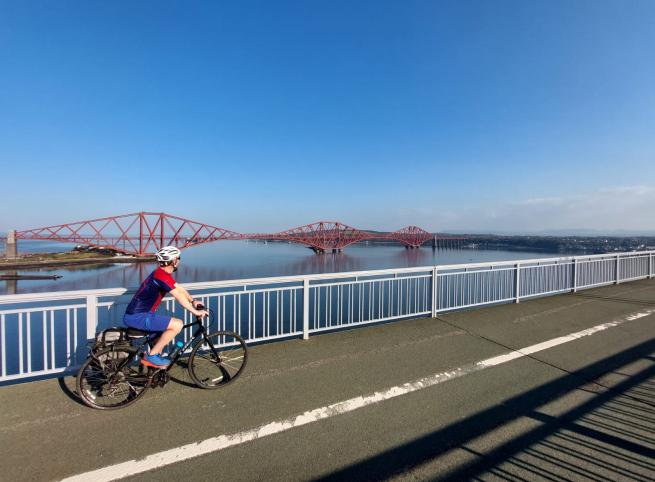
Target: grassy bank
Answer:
[[36, 260]]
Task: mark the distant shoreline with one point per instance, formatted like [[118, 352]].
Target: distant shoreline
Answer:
[[47, 263], [561, 245]]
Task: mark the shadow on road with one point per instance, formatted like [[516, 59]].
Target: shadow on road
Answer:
[[615, 298], [609, 437], [178, 374], [67, 385]]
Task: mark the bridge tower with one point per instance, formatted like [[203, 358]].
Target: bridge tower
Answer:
[[11, 248]]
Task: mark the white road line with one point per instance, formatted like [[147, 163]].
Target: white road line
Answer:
[[214, 444]]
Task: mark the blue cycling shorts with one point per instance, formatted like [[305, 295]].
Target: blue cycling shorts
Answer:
[[147, 321]]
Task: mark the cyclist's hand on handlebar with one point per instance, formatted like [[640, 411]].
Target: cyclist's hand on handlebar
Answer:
[[197, 304], [201, 313]]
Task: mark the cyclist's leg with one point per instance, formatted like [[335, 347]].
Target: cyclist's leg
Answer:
[[164, 325], [169, 327]]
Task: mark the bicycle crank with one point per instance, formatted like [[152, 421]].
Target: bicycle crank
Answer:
[[159, 378]]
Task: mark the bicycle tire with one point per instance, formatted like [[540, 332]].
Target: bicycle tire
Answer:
[[210, 369], [104, 376]]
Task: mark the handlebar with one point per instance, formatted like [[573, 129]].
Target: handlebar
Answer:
[[200, 306]]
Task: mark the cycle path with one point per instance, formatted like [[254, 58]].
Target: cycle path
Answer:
[[45, 435]]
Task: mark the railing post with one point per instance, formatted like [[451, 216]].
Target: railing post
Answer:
[[91, 316], [575, 275], [517, 287], [650, 265], [434, 292], [618, 269], [305, 309]]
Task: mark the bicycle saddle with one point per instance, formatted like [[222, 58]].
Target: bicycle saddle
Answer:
[[134, 333]]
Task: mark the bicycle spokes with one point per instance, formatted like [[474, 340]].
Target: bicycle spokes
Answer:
[[218, 360], [111, 379]]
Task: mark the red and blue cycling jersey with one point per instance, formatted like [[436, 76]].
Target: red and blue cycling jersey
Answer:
[[150, 293]]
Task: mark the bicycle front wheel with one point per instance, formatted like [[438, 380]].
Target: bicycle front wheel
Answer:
[[218, 360], [112, 378]]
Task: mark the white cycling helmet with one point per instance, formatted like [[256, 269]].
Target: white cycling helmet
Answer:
[[168, 254]]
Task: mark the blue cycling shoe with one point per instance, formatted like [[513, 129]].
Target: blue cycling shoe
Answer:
[[155, 361]]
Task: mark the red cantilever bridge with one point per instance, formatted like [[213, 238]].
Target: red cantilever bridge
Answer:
[[143, 233]]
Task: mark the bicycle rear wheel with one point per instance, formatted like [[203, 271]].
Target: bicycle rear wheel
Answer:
[[218, 360], [113, 378]]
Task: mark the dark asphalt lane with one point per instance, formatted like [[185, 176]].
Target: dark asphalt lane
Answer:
[[583, 410]]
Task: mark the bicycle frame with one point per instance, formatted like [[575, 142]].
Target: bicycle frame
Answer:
[[195, 338]]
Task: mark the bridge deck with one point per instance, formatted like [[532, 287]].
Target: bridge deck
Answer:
[[579, 408]]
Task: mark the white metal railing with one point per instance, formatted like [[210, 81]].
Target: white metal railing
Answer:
[[47, 333]]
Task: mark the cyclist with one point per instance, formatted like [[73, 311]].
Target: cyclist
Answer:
[[140, 313]]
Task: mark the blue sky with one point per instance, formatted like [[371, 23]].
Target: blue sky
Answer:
[[258, 116]]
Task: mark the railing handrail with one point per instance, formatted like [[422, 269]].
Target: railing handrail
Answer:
[[66, 295], [543, 260]]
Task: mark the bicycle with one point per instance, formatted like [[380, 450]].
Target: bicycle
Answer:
[[113, 377]]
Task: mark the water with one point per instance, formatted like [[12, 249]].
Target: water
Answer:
[[226, 260]]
